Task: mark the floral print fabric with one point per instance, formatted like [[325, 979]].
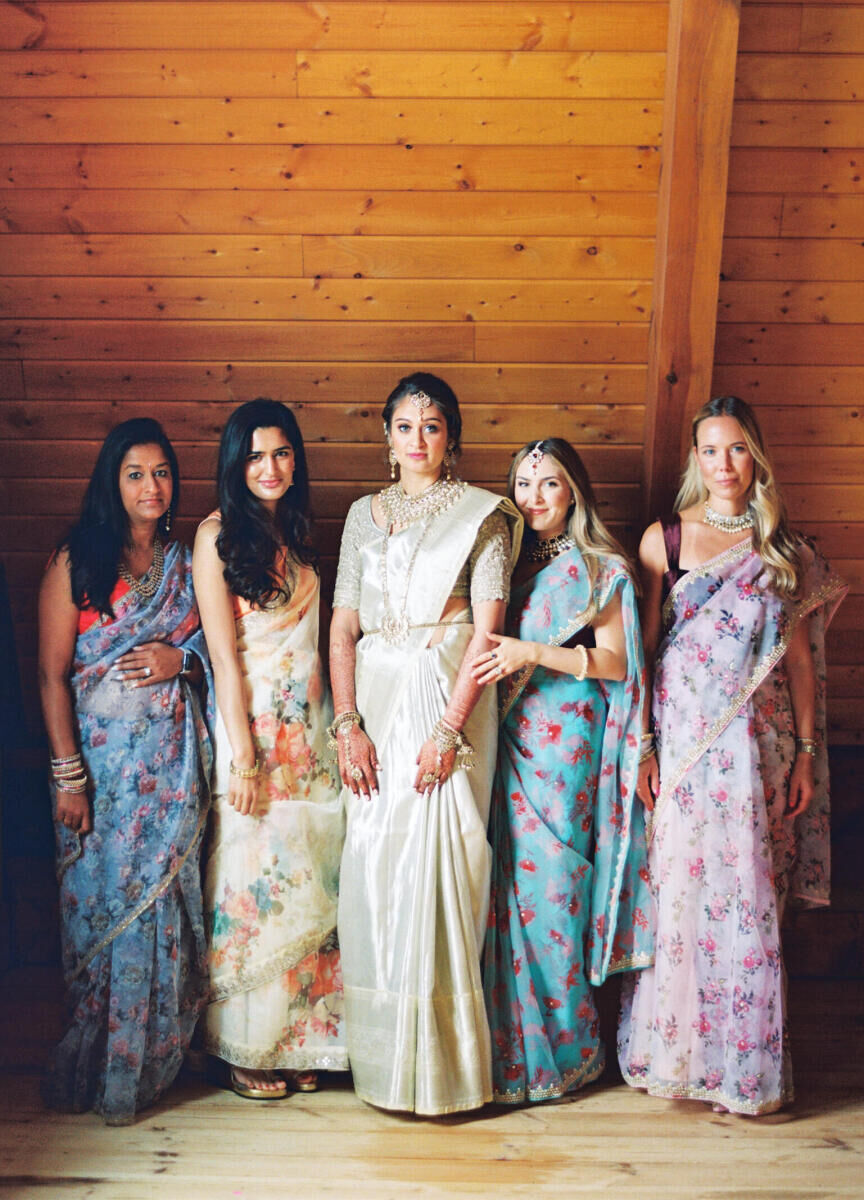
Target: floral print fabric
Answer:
[[570, 900], [272, 878], [708, 1020], [134, 955]]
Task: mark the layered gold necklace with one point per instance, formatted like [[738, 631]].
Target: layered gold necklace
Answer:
[[148, 584]]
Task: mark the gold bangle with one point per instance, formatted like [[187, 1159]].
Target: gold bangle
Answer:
[[245, 772], [344, 723], [806, 746]]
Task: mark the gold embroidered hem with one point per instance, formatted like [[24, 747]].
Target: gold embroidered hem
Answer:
[[245, 980], [275, 1059], [144, 904], [571, 1081], [632, 962], [684, 1091]]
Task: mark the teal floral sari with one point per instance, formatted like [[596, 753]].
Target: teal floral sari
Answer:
[[570, 897]]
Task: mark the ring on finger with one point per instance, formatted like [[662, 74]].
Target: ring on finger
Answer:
[[429, 777], [356, 773], [148, 671]]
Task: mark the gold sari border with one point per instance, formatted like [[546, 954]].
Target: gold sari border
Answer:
[[572, 1080], [815, 600], [148, 900], [246, 981], [707, 568], [686, 1091]]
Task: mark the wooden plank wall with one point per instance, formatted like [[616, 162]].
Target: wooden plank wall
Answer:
[[207, 201], [791, 312]]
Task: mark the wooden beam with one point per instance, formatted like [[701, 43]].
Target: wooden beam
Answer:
[[700, 81]]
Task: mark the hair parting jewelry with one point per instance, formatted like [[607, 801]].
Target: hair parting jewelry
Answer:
[[421, 401], [579, 675], [535, 457], [245, 772]]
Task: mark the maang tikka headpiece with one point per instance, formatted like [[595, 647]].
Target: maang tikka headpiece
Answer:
[[535, 457], [421, 401]]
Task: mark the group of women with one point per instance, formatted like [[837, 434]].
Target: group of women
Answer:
[[425, 879]]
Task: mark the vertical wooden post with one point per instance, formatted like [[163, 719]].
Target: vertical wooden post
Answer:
[[700, 85]]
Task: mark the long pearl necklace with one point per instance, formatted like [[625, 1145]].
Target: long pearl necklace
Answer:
[[727, 524]]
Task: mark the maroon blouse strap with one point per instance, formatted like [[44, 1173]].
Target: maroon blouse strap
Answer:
[[671, 527]]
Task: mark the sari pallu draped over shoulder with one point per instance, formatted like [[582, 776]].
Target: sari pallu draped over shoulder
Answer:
[[570, 897], [708, 1022], [134, 953]]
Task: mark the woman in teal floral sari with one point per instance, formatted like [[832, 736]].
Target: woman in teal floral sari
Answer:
[[120, 658], [570, 901]]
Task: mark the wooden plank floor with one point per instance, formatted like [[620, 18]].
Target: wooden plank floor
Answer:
[[608, 1141]]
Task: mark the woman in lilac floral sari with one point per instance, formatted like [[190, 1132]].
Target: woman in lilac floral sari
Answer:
[[570, 898], [120, 661], [735, 607]]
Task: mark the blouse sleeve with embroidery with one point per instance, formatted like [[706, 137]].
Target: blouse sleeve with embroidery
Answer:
[[489, 562], [346, 594]]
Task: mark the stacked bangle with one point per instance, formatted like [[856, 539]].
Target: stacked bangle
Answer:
[[806, 746], [342, 724], [579, 675], [647, 748], [447, 738], [68, 774], [245, 772]]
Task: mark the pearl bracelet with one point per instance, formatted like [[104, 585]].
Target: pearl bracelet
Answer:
[[579, 675]]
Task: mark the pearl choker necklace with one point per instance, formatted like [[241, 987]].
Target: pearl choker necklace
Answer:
[[728, 524], [542, 551]]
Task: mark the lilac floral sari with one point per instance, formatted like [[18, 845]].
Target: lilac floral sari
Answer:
[[134, 953], [570, 897], [707, 1022]]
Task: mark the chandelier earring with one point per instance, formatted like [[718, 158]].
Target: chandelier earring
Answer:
[[449, 462], [391, 458], [167, 522]]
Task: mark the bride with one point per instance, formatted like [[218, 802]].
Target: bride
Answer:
[[423, 578]]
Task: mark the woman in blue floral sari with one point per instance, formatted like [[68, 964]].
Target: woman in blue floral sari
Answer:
[[570, 898], [120, 661]]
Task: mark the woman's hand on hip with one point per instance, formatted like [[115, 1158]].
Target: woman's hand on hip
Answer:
[[73, 811], [433, 768], [648, 783], [358, 762], [149, 663]]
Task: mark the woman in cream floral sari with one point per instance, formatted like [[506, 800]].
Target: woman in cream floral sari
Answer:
[[271, 881]]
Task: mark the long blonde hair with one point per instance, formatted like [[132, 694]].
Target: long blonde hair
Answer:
[[583, 521], [773, 541]]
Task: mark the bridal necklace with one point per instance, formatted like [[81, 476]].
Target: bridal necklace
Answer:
[[401, 509], [542, 551], [148, 584], [728, 524]]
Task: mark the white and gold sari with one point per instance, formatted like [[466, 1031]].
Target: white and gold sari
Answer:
[[414, 888]]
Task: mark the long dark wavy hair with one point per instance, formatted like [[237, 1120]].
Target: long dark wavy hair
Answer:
[[250, 539], [97, 539]]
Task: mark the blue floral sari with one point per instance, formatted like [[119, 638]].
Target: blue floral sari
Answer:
[[134, 951], [570, 898]]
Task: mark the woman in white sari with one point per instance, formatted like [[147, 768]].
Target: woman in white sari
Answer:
[[275, 1007], [423, 578]]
